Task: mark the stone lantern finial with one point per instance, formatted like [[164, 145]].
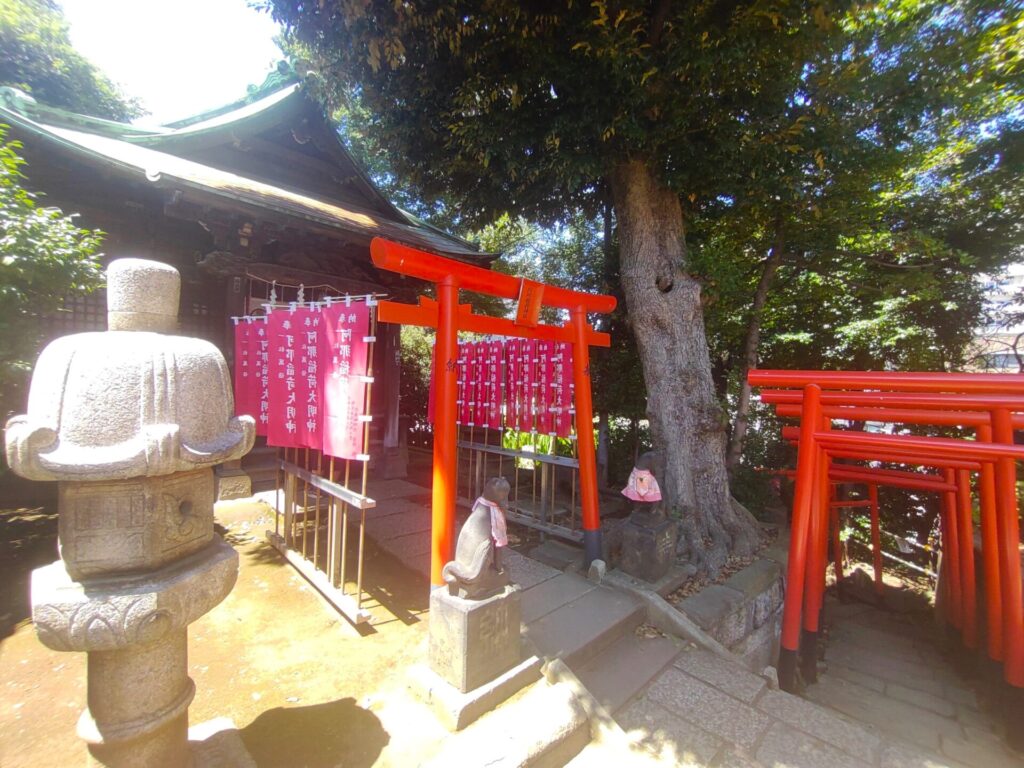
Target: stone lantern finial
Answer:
[[142, 296]]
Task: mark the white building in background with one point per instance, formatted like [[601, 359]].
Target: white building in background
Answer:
[[999, 345]]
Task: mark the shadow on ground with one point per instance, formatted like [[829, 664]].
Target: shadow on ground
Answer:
[[28, 541], [319, 736]]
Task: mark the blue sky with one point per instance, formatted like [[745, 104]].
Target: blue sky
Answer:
[[179, 57]]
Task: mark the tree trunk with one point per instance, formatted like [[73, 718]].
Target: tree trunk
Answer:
[[686, 422], [603, 438], [750, 344]]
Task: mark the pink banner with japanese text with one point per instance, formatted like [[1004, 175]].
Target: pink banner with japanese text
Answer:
[[309, 327], [287, 390], [345, 331], [246, 373], [259, 351], [495, 382]]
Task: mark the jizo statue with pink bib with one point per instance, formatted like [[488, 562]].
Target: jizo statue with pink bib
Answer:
[[648, 537]]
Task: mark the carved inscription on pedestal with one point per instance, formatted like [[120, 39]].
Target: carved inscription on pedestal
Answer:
[[118, 527]]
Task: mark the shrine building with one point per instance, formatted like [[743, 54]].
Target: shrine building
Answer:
[[252, 202]]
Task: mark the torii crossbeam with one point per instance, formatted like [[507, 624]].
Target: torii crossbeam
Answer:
[[449, 317]]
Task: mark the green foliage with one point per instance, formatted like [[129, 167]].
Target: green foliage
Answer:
[[878, 144], [508, 107], [38, 58], [43, 258]]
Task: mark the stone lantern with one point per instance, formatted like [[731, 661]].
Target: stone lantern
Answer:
[[130, 423]]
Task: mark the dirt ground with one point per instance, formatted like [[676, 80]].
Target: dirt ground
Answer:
[[304, 687]]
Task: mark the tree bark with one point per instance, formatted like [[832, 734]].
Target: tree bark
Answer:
[[686, 422], [751, 340], [603, 438]]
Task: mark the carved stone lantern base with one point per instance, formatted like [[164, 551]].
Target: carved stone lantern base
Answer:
[[134, 629]]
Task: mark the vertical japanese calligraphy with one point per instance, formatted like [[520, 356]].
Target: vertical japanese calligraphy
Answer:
[[287, 387], [309, 334], [246, 373], [496, 381], [345, 337], [259, 349], [545, 387]]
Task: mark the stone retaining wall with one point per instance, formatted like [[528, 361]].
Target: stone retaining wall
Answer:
[[744, 613]]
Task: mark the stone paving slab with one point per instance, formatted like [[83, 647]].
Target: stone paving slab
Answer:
[[813, 720], [626, 666], [392, 489], [650, 726], [707, 707], [523, 731], [904, 721], [406, 547], [583, 626], [552, 594], [755, 578], [922, 699], [392, 507], [863, 679], [712, 604], [906, 673], [724, 675], [878, 641], [785, 746], [734, 759], [393, 526], [527, 572], [979, 754], [900, 756]]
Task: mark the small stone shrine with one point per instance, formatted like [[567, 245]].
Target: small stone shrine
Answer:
[[648, 536], [474, 623], [130, 423]]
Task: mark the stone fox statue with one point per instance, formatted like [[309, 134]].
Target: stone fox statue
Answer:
[[477, 572]]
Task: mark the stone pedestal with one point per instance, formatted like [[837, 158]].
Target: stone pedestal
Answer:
[[648, 545], [474, 641], [232, 482]]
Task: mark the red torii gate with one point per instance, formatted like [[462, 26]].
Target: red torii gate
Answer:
[[449, 317]]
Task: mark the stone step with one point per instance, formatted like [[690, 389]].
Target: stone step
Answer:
[[582, 628], [552, 594], [625, 667], [598, 754], [900, 719], [543, 726]]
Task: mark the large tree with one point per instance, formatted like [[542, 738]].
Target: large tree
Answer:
[[544, 108], [38, 58]]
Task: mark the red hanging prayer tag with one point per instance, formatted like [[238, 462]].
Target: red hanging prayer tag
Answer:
[[565, 391], [545, 371], [463, 381], [310, 331], [471, 394], [259, 350], [528, 364], [497, 382], [515, 383], [345, 355], [287, 389], [483, 390]]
